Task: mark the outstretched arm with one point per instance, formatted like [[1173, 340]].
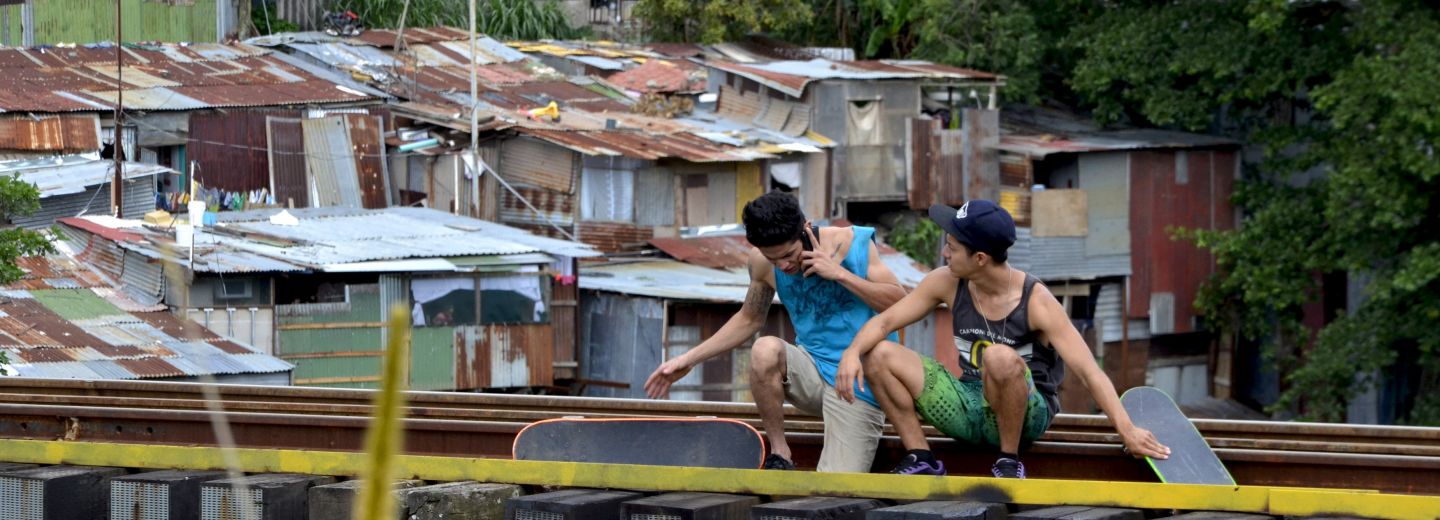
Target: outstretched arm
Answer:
[[1048, 317], [739, 328]]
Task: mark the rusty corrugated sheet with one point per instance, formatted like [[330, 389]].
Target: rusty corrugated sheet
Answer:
[[68, 133], [504, 356], [286, 153], [680, 76], [366, 132], [924, 177], [150, 367], [723, 252], [565, 318], [171, 77], [42, 272], [555, 207], [614, 237], [36, 317], [539, 164], [1175, 189], [385, 38], [230, 150]]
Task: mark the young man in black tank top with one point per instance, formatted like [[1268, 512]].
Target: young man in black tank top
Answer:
[[1014, 342]]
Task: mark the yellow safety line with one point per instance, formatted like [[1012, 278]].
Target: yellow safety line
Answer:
[[1252, 499]]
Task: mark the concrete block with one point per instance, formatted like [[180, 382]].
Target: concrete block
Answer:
[[337, 501], [158, 494], [457, 501], [940, 511], [815, 508], [1079, 513], [569, 504], [57, 493], [273, 496], [690, 506], [1219, 515]]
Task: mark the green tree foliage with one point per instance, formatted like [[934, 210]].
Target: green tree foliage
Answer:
[[501, 19], [1374, 211], [920, 239], [18, 198], [715, 21]]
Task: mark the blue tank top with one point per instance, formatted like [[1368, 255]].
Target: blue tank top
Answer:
[[826, 315]]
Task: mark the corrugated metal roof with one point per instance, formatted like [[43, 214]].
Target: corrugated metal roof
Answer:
[[332, 237], [721, 252], [1063, 258], [67, 133], [667, 279], [161, 77], [100, 341], [74, 177], [438, 76], [1039, 132], [662, 76], [791, 77]]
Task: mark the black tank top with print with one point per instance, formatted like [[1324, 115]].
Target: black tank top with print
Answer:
[[973, 333]]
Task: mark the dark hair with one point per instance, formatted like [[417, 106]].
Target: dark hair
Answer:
[[773, 219], [999, 257]]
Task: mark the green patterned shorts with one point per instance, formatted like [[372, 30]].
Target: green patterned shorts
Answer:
[[959, 409]]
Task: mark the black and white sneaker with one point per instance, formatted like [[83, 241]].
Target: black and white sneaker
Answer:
[[773, 461], [1007, 467]]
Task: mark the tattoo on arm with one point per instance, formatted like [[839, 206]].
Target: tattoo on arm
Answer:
[[758, 299]]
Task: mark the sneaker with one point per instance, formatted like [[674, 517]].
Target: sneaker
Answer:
[[773, 461], [911, 465], [1007, 467]]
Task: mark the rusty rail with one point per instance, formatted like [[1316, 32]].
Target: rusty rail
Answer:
[[1396, 459]]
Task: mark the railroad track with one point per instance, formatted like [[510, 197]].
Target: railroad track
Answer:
[[1392, 459]]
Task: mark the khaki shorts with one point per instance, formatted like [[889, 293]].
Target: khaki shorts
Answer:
[[852, 430]]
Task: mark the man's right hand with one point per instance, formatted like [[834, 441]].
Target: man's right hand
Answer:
[[658, 385]]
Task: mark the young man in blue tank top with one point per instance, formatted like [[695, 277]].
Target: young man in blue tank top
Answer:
[[1014, 341], [830, 284]]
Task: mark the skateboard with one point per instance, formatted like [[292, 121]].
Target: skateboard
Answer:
[[1191, 459], [658, 441]]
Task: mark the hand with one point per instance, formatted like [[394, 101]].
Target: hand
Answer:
[[850, 373], [1139, 443], [658, 384], [820, 260]]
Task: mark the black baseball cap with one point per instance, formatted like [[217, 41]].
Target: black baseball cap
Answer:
[[980, 224]]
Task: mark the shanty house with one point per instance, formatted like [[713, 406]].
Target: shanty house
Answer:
[[868, 108], [1098, 209], [492, 306], [610, 167], [59, 106]]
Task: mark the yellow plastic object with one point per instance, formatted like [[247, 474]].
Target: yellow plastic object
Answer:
[[551, 111]]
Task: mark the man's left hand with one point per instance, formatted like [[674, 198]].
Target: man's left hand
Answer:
[[1139, 443]]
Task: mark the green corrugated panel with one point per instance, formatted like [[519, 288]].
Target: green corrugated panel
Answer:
[[85, 21], [339, 367], [12, 33], [432, 358], [328, 340], [76, 304]]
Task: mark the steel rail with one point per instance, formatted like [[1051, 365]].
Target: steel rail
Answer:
[[1074, 458]]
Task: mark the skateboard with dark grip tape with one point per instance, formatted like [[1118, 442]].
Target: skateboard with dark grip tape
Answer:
[[1191, 459], [697, 442]]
